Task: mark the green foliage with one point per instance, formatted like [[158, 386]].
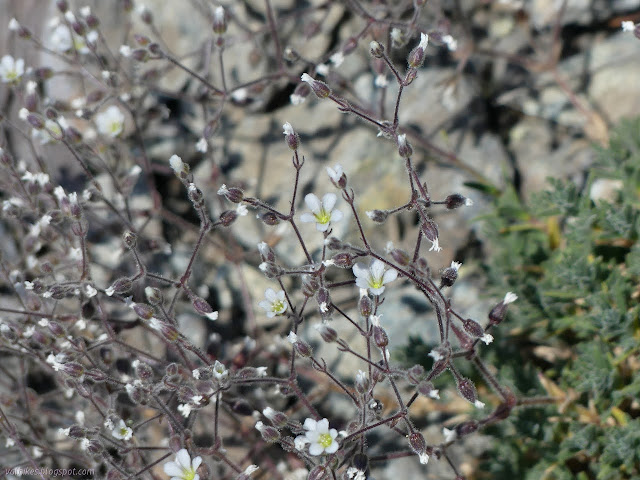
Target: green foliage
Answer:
[[574, 263]]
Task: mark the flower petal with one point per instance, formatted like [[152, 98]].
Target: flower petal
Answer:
[[312, 202], [322, 227], [310, 424], [389, 276], [333, 448], [316, 449], [376, 291], [323, 426], [329, 201], [336, 216], [377, 269], [307, 217], [183, 458], [361, 271], [195, 463], [173, 469], [362, 282]]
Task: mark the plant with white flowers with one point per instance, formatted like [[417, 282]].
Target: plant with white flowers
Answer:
[[274, 302], [11, 70], [373, 277], [322, 212], [320, 438], [110, 122]]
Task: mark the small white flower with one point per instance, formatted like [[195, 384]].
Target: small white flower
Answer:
[[479, 404], [322, 212], [435, 245], [355, 474], [220, 371], [110, 122], [85, 11], [424, 41], [510, 297], [54, 361], [122, 432], [183, 468], [322, 69], [323, 307], [14, 25], [335, 173], [274, 303], [487, 338], [90, 291], [435, 394], [306, 78], [375, 320], [202, 146], [242, 210], [337, 59], [381, 81], [10, 442], [10, 69], [300, 442], [287, 129], [397, 37], [321, 439], [628, 26], [424, 458], [196, 399], [196, 374], [373, 277], [177, 165], [450, 42], [296, 99], [292, 337], [240, 95], [185, 409], [125, 50], [261, 371], [36, 452], [250, 469], [468, 202], [436, 355], [449, 435], [456, 265]]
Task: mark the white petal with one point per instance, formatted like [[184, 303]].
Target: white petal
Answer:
[[322, 227], [313, 202], [310, 424], [361, 271], [183, 458], [307, 218], [329, 201], [195, 463], [377, 269], [336, 216], [333, 448], [323, 426], [316, 449], [270, 294], [389, 276]]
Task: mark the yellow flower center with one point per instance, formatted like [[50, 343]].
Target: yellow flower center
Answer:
[[277, 306], [325, 440], [376, 282], [323, 216], [124, 431], [114, 128], [188, 474]]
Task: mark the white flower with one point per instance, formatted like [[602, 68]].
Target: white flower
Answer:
[[240, 95], [335, 173], [10, 69], [322, 69], [628, 26], [435, 245], [196, 374], [36, 452], [110, 122], [449, 435], [373, 277], [85, 11], [397, 36], [435, 394], [319, 436], [220, 371], [424, 41], [122, 432], [381, 81], [479, 404], [450, 42], [261, 371], [287, 129], [456, 265], [324, 307], [242, 210], [337, 58], [54, 361], [250, 469], [125, 50], [183, 468], [202, 146], [275, 303], [424, 458], [436, 355], [177, 165], [62, 40], [355, 474], [487, 338], [185, 409], [322, 212], [296, 99], [14, 25], [510, 297], [292, 337]]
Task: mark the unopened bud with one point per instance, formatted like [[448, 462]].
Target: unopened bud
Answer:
[[467, 389], [302, 348], [473, 328], [415, 374], [319, 472], [343, 260], [400, 256], [378, 216], [269, 218], [466, 428], [266, 252], [327, 333], [310, 285], [201, 306], [380, 336], [73, 369], [129, 239], [269, 434], [416, 57], [362, 382], [219, 21], [417, 442], [228, 217], [121, 285], [321, 89], [376, 49], [144, 311], [499, 312], [277, 419], [365, 305], [154, 295], [404, 147], [271, 269], [291, 137]]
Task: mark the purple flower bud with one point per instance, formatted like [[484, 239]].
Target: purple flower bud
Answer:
[[73, 369], [154, 295], [343, 260], [380, 336], [242, 407], [404, 148], [201, 306], [228, 217], [456, 200], [291, 137], [277, 419], [321, 89], [400, 256], [473, 328], [417, 442], [466, 428], [62, 5], [35, 121], [376, 49], [219, 21], [144, 311], [327, 333], [310, 285], [416, 57], [140, 55], [467, 389], [415, 374], [129, 239], [269, 218], [365, 305], [302, 348], [499, 312], [378, 216]]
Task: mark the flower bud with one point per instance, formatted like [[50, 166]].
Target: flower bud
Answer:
[[415, 374], [219, 21], [62, 5], [456, 200], [269, 218], [302, 348], [277, 419], [242, 407], [417, 442], [327, 333], [35, 121], [129, 239], [56, 329], [271, 269], [269, 434], [154, 295], [411, 75], [73, 369], [195, 196], [121, 285], [416, 57], [319, 472], [144, 311], [291, 137], [466, 428], [400, 256], [228, 217], [467, 389], [499, 312], [380, 336], [143, 371], [404, 147], [448, 277], [362, 382], [321, 89], [376, 49], [145, 15], [343, 260], [234, 195], [427, 389], [378, 216], [365, 305], [310, 285], [473, 328], [201, 306]]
